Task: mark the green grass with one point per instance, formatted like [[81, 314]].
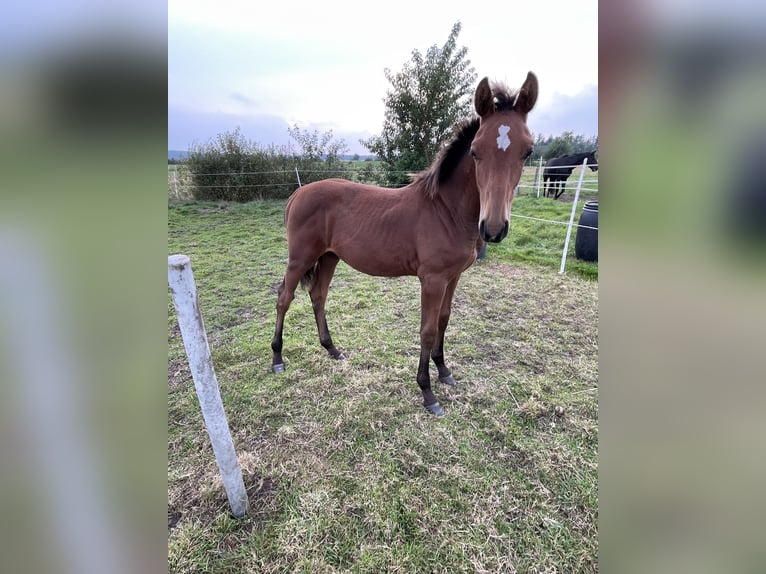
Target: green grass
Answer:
[[542, 243], [345, 469]]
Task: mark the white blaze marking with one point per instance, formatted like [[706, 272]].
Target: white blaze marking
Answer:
[[503, 141]]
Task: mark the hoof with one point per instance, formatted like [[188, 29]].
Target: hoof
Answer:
[[435, 409], [278, 368], [448, 380], [339, 357]]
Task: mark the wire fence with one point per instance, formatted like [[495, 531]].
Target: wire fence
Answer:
[[181, 186]]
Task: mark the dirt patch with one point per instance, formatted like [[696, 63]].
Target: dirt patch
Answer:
[[506, 270], [261, 495], [173, 517], [178, 373], [568, 197], [175, 331], [243, 315]]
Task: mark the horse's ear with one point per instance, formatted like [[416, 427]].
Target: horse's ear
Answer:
[[527, 96], [483, 99]]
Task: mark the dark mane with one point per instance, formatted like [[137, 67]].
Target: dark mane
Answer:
[[449, 157], [453, 151]]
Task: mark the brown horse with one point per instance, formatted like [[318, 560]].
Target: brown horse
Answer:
[[429, 228]]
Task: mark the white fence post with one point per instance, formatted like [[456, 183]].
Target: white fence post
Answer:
[[299, 177], [539, 176], [175, 183], [192, 326], [571, 217]]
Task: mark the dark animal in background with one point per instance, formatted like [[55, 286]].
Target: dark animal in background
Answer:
[[558, 170], [430, 228], [744, 209]]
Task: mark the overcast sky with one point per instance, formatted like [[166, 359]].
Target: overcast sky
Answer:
[[265, 65]]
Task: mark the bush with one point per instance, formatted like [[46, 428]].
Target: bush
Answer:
[[233, 168]]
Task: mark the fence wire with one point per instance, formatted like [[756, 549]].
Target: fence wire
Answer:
[[533, 186]]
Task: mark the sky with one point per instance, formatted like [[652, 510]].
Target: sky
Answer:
[[264, 66]]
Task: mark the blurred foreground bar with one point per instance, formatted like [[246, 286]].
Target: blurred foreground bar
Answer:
[[683, 271], [82, 146]]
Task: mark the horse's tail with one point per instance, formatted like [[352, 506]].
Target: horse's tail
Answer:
[[307, 281]]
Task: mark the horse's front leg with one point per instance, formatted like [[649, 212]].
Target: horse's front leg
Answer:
[[437, 354], [431, 296]]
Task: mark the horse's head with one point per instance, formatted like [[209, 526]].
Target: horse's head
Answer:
[[592, 161], [499, 149]]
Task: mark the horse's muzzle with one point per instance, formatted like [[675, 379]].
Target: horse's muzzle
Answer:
[[492, 238]]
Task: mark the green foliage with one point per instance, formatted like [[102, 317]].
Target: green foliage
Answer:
[[316, 146], [426, 99], [533, 242], [233, 168], [558, 147], [566, 143], [372, 172]]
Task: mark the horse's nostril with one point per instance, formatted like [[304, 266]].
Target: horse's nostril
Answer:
[[486, 236]]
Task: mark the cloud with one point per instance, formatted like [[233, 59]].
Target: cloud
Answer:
[[242, 99], [577, 114], [186, 127]]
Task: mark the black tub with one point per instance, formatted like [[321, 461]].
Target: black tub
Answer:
[[586, 242]]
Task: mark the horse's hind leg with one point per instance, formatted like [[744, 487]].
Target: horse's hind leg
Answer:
[[437, 354], [285, 296], [318, 292]]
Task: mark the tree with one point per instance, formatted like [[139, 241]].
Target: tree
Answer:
[[566, 143], [426, 99], [316, 146], [234, 168], [562, 145]]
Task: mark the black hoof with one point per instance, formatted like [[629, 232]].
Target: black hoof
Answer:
[[435, 409], [278, 368], [448, 380]]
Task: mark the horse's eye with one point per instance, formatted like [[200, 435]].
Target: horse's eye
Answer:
[[473, 155], [529, 153]]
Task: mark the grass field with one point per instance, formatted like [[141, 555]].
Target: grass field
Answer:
[[346, 471]]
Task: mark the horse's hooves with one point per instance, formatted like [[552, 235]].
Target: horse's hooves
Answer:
[[448, 380], [278, 368], [435, 409], [339, 357]]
